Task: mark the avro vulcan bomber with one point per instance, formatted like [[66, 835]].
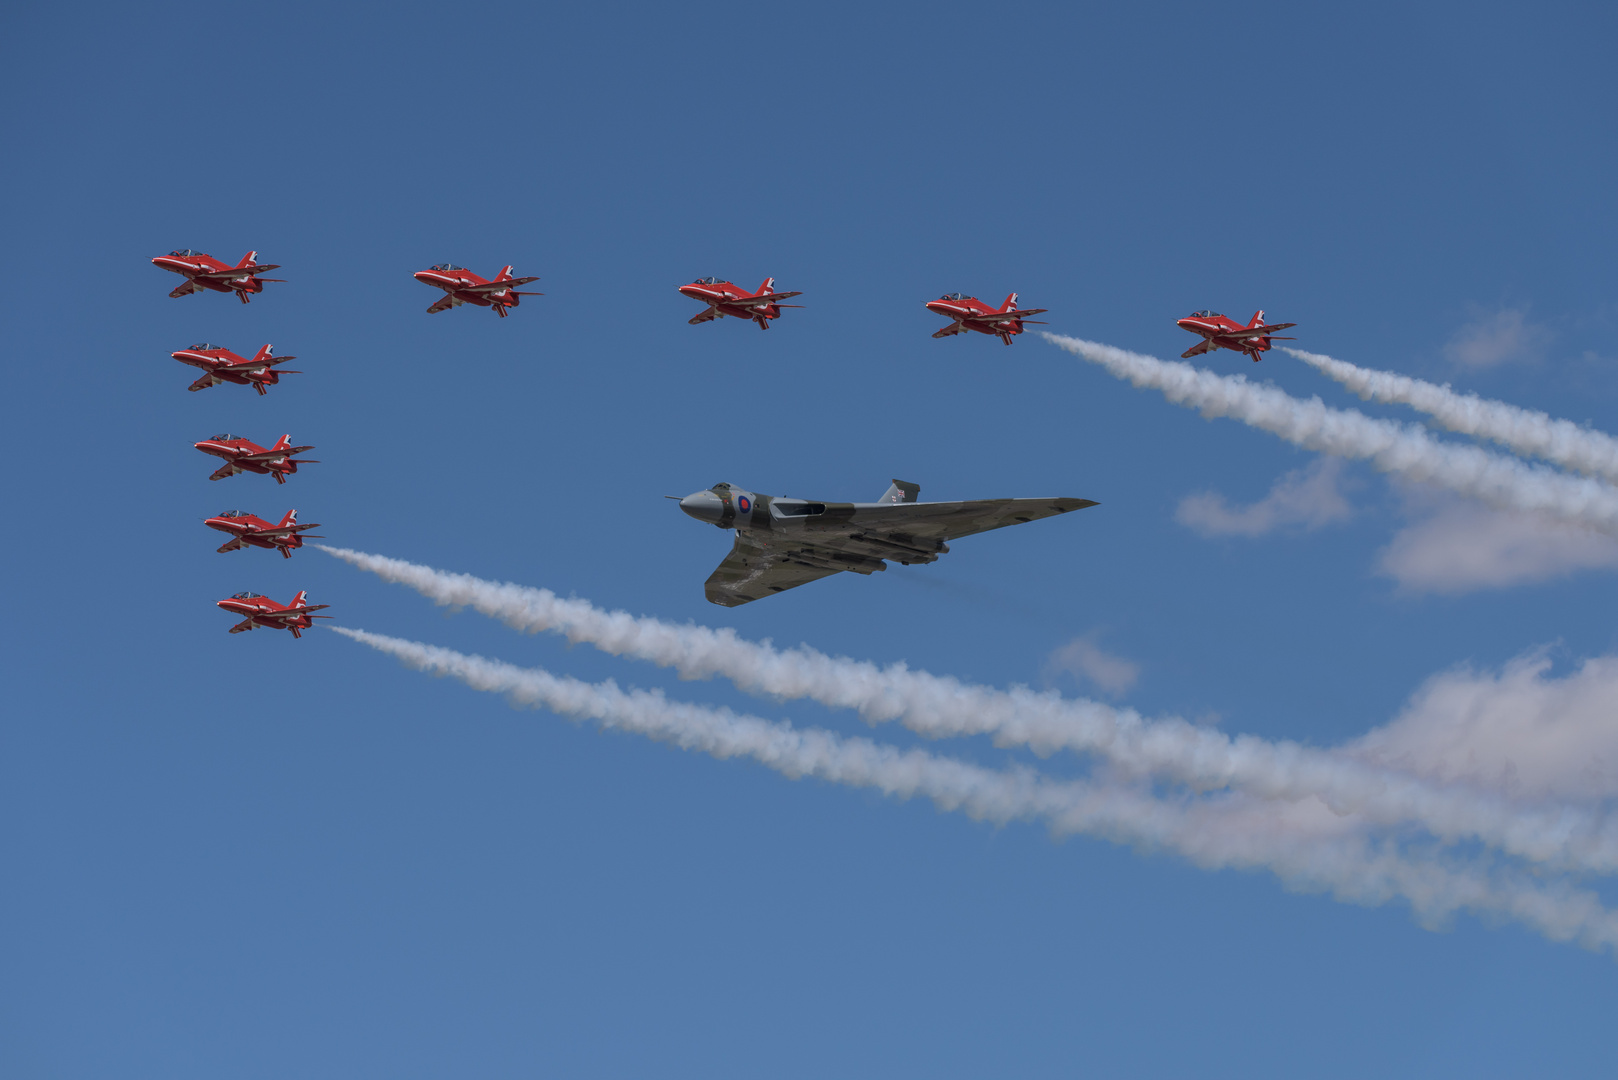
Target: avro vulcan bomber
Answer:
[[783, 543]]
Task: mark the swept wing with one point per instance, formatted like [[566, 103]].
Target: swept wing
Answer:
[[858, 537]]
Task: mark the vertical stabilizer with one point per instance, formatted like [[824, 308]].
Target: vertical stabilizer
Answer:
[[290, 519], [1258, 319], [768, 286], [263, 354], [505, 273], [283, 442], [1011, 302], [298, 601], [901, 492], [248, 260]]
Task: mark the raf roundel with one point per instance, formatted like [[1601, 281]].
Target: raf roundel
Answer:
[[744, 504]]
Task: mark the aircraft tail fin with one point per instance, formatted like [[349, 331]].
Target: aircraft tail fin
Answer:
[[504, 274], [290, 519], [297, 601], [768, 286], [1011, 302], [248, 260], [262, 354], [283, 442], [1258, 319], [901, 491]]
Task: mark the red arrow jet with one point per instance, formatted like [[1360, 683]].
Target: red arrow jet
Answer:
[[206, 272], [970, 313], [1219, 332], [222, 365], [243, 456], [461, 286], [725, 298], [245, 529], [262, 611]]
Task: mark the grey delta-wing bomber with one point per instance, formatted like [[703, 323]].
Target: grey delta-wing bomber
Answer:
[[783, 543]]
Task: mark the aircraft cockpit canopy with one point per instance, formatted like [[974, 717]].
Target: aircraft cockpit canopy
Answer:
[[446, 266], [203, 346], [708, 281], [186, 253], [247, 596], [234, 513], [223, 437], [955, 296], [1206, 315]]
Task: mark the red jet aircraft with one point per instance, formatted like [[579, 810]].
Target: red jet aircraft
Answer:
[[245, 528], [206, 272], [1219, 332], [243, 456], [221, 365], [461, 286], [724, 298], [970, 313], [262, 611]]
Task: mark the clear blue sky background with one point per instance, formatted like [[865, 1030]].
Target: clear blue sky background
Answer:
[[252, 856]]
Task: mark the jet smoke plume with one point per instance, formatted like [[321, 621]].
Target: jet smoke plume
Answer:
[[1525, 431], [1307, 847], [940, 706], [1400, 449]]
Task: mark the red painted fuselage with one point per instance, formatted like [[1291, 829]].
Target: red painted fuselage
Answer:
[[1222, 332], [240, 455], [727, 298], [220, 365], [250, 530], [262, 611], [970, 313], [202, 271], [461, 286]]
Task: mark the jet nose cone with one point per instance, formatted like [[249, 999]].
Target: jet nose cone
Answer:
[[704, 506]]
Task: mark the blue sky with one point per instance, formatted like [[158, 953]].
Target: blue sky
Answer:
[[254, 856]]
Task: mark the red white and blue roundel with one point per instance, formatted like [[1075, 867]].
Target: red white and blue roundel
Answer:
[[744, 504]]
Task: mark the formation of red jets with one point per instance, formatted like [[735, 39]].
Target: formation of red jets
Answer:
[[720, 298]]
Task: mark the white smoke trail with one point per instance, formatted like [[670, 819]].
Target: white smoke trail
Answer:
[[1212, 833], [1404, 450], [1526, 431], [940, 706]]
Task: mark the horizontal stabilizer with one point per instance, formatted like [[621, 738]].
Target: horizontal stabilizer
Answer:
[[1259, 331], [766, 298], [274, 455], [240, 271], [268, 361], [496, 286]]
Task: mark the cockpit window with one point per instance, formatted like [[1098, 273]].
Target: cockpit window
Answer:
[[233, 513], [1206, 315], [954, 296], [446, 266], [186, 253], [708, 281], [203, 346], [247, 596], [224, 437]]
